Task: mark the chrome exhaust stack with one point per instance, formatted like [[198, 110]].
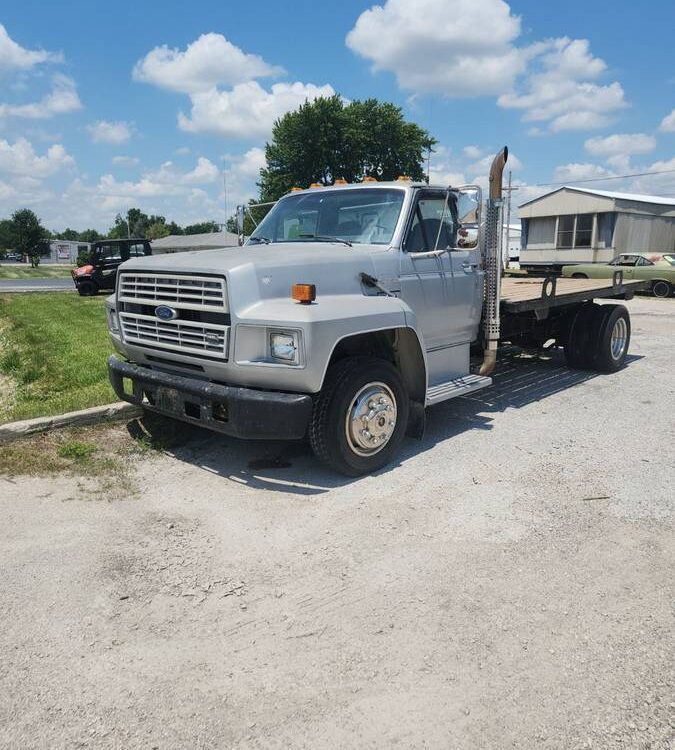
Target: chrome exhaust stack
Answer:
[[492, 263]]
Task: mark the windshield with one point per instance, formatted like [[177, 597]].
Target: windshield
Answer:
[[366, 216]]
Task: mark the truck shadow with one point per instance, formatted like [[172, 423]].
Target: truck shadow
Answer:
[[290, 467]]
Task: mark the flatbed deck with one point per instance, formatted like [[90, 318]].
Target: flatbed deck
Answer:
[[531, 294]]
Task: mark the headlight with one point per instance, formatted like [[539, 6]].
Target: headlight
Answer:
[[284, 346], [113, 321]]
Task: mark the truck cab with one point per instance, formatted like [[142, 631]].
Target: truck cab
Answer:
[[105, 257]]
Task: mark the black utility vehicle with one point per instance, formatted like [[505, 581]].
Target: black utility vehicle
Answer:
[[101, 269]]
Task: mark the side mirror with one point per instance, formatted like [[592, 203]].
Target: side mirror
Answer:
[[469, 204], [240, 224]]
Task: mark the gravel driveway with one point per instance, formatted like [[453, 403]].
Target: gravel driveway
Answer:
[[508, 585]]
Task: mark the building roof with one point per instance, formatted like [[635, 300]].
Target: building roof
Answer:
[[195, 241], [634, 197]]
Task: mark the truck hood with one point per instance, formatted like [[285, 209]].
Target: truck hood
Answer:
[[334, 268]]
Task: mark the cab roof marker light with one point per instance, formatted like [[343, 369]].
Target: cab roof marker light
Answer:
[[369, 178], [305, 294], [316, 185], [295, 190], [341, 181]]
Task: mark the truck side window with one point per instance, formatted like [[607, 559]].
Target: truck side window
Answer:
[[433, 226], [137, 250]]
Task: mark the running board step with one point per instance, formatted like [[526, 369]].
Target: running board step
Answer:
[[457, 387]]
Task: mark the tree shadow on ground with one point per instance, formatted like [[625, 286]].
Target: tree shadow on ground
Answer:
[[520, 379]]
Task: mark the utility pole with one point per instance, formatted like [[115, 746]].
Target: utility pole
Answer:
[[508, 190], [225, 193]]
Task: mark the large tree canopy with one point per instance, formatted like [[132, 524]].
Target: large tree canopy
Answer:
[[28, 234], [327, 139]]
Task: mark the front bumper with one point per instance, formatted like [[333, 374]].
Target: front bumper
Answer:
[[235, 411]]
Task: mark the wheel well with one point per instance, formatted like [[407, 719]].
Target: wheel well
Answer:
[[400, 346], [579, 276]]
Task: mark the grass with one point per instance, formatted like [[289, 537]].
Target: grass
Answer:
[[41, 272], [53, 352]]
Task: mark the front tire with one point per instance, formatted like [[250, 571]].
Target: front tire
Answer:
[[360, 416], [661, 288]]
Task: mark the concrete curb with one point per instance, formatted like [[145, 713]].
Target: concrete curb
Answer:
[[120, 410]]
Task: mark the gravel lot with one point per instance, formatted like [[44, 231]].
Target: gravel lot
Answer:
[[508, 585]]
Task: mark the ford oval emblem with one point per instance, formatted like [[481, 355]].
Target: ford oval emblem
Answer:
[[164, 312]]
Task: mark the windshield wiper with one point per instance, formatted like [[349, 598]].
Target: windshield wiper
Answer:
[[264, 240], [325, 238]]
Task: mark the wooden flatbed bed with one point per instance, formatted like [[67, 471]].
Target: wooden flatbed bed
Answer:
[[520, 295]]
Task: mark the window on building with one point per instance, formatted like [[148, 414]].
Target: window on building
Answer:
[[566, 231], [583, 231], [575, 230]]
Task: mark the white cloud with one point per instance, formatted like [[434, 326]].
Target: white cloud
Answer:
[[126, 161], [20, 160], [574, 172], [15, 57], [620, 144], [207, 62], [248, 110], [456, 47], [668, 123], [656, 184], [103, 131], [62, 99], [248, 165], [560, 91], [472, 152], [182, 151]]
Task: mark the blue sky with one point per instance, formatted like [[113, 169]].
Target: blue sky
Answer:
[[148, 104]]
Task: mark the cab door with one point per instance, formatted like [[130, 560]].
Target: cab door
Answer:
[[440, 281]]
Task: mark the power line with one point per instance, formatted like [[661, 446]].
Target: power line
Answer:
[[599, 179]]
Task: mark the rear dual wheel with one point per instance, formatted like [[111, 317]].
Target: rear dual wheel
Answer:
[[599, 338]]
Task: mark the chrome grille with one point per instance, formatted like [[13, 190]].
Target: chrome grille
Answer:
[[181, 336], [185, 291]]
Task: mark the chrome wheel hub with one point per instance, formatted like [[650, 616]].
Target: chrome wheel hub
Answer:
[[371, 419], [618, 340]]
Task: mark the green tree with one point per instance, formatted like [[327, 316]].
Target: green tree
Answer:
[[27, 233], [6, 234], [68, 234], [157, 230], [327, 139], [90, 235], [204, 227]]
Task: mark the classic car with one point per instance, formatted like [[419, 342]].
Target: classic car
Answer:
[[658, 268]]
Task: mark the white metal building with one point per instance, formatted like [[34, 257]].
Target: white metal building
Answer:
[[182, 243], [64, 251], [577, 225]]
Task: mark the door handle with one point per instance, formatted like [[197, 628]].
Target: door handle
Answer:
[[469, 266]]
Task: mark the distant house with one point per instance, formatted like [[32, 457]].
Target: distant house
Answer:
[[182, 243], [576, 225]]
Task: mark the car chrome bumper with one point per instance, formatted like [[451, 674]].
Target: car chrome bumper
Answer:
[[232, 410]]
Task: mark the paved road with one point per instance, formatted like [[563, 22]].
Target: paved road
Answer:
[[35, 285], [507, 585]]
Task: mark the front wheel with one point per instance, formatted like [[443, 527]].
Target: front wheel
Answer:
[[661, 289], [360, 416]]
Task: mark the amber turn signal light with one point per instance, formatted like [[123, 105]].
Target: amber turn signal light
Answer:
[[303, 293]]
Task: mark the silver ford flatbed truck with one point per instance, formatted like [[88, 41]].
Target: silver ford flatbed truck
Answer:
[[350, 310]]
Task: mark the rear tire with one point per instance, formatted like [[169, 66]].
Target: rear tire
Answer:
[[87, 289], [579, 344], [360, 416], [662, 288], [611, 338]]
